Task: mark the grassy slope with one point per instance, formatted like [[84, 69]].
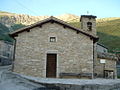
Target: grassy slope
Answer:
[[108, 32]]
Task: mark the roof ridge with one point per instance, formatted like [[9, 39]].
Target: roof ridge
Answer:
[[51, 18]]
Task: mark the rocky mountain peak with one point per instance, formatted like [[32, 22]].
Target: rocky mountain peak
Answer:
[[68, 17], [9, 19]]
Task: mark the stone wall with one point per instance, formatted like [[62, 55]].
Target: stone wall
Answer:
[[110, 64], [74, 51], [84, 21], [101, 49], [6, 52], [115, 86]]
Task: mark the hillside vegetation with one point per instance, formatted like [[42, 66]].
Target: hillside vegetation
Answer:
[[109, 33], [4, 33], [108, 29]]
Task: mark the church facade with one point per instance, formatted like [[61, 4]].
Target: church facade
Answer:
[[52, 48]]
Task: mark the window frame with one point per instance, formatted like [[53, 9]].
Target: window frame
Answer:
[[89, 26], [52, 39]]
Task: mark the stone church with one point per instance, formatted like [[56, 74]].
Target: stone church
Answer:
[[54, 49]]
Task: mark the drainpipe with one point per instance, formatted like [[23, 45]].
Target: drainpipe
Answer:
[[14, 54], [93, 60], [94, 57]]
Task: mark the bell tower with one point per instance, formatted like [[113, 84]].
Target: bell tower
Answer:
[[88, 24]]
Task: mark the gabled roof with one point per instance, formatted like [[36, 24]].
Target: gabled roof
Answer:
[[107, 56], [88, 16], [102, 45], [52, 20]]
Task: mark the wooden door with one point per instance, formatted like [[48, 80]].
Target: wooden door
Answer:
[[51, 65]]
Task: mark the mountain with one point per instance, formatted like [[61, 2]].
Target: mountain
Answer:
[[10, 19], [3, 29], [109, 33], [4, 33], [108, 29], [68, 17]]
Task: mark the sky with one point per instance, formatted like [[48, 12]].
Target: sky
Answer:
[[99, 8]]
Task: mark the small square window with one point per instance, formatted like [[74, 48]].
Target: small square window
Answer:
[[52, 39]]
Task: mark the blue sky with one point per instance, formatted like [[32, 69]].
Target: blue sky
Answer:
[[100, 8]]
